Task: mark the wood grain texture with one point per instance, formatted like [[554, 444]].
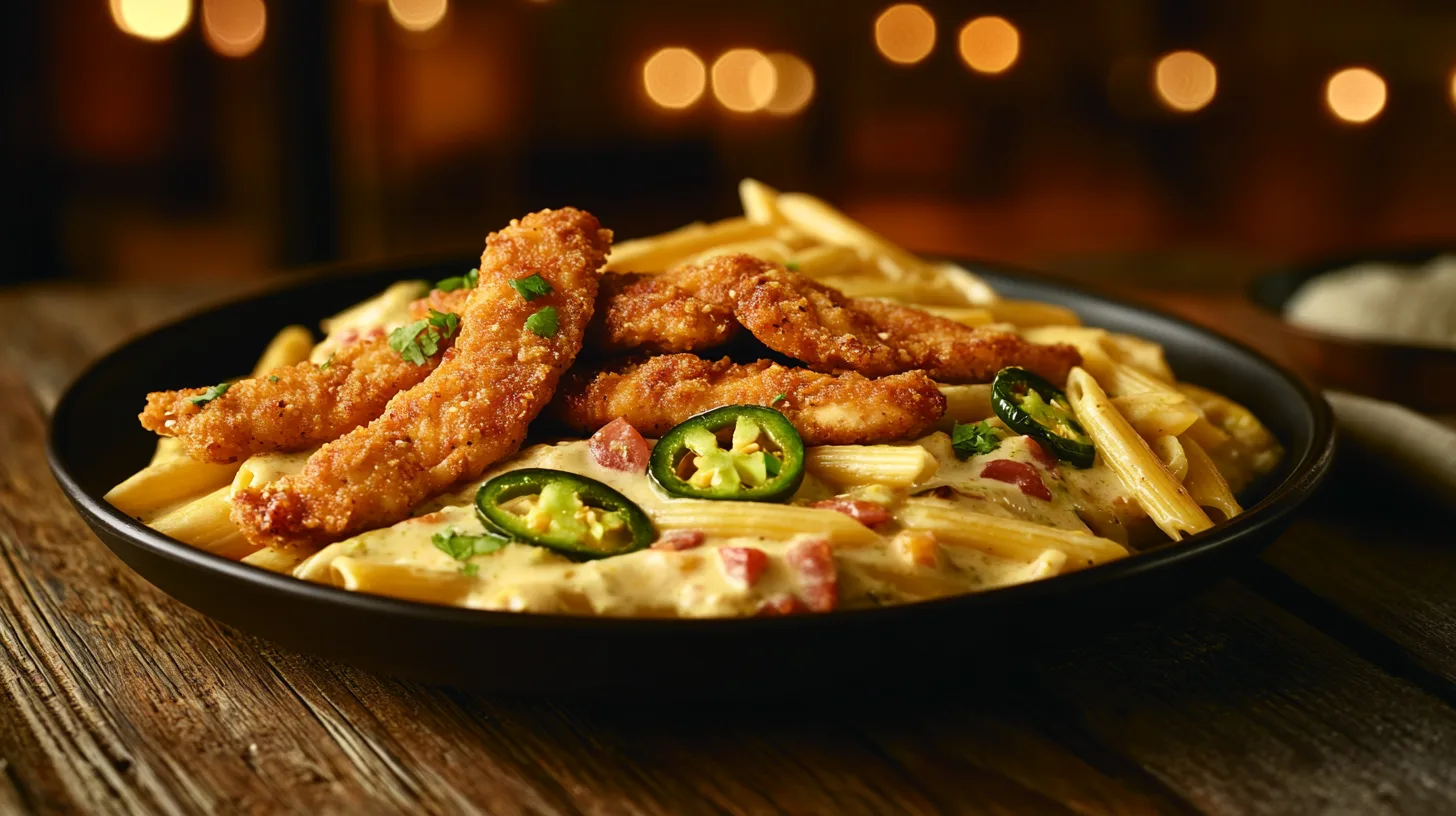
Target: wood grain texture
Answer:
[[116, 699]]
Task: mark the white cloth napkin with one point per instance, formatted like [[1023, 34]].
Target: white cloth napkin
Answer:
[[1420, 450]]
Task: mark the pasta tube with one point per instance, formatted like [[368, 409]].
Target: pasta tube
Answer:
[[291, 345], [206, 525], [1206, 484], [1157, 413], [1157, 490], [660, 252], [1009, 538], [760, 202], [156, 488], [401, 581], [889, 465], [780, 521]]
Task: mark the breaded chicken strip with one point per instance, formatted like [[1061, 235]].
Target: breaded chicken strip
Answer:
[[829, 331], [292, 408], [827, 409], [470, 412], [687, 309]]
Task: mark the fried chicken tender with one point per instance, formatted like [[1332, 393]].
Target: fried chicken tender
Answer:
[[828, 409], [687, 309], [293, 408], [470, 412], [831, 332]]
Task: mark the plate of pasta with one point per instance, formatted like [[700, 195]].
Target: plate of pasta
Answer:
[[763, 444]]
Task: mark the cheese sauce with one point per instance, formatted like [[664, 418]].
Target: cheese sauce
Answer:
[[895, 568]]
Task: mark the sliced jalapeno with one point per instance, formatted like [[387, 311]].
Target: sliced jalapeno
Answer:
[[563, 511], [1030, 405], [737, 452]]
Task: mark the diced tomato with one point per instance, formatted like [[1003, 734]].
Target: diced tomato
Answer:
[[618, 446], [919, 547], [813, 561], [1041, 453], [1020, 474], [675, 540], [865, 512], [779, 605], [743, 565]]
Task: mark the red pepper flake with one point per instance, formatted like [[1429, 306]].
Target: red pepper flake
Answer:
[[618, 446], [676, 540], [865, 512], [743, 565], [1041, 453], [813, 561], [1020, 474]]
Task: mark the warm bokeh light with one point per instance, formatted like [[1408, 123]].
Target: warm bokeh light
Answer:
[[744, 80], [418, 15], [1185, 81], [905, 33], [674, 77], [1453, 86], [1355, 95], [151, 19], [989, 45], [234, 28], [794, 84]]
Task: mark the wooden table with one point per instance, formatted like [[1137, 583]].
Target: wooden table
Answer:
[[1320, 679]]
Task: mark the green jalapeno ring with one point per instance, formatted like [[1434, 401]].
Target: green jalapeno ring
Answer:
[[590, 492], [1009, 391], [778, 486]]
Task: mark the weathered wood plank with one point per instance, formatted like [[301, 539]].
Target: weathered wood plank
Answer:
[[1240, 707]]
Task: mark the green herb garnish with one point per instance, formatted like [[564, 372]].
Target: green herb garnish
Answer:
[[531, 287], [210, 394], [470, 570], [461, 546], [272, 378], [418, 341], [543, 323], [327, 363], [792, 266], [466, 281], [974, 439], [778, 399]]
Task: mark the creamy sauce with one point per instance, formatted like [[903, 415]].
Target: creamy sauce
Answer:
[[402, 560], [382, 313]]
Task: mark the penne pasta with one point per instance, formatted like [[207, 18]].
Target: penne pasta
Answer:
[[387, 310], [824, 222], [827, 260], [1170, 452], [661, 252], [1156, 489], [967, 403], [760, 202], [168, 448], [1009, 538], [290, 346], [206, 525], [781, 521], [1087, 341], [1157, 413], [274, 560], [1031, 313], [401, 581], [158, 488], [1206, 485], [889, 465], [1141, 354], [768, 249], [972, 316]]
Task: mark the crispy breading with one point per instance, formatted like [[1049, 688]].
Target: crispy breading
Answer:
[[470, 412], [291, 408], [830, 331], [828, 409], [686, 309]]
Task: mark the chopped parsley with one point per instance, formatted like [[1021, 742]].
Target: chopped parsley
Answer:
[[210, 394], [327, 363], [531, 287], [470, 570], [792, 266], [543, 323], [974, 439], [461, 546], [782, 397], [416, 342], [466, 281], [273, 378]]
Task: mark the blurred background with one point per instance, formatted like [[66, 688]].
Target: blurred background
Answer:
[[222, 140]]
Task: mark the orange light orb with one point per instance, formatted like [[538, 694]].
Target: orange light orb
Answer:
[[905, 33]]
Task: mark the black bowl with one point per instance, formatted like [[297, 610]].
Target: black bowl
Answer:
[[95, 442], [1381, 369]]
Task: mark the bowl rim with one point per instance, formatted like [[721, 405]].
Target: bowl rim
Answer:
[[1302, 478]]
